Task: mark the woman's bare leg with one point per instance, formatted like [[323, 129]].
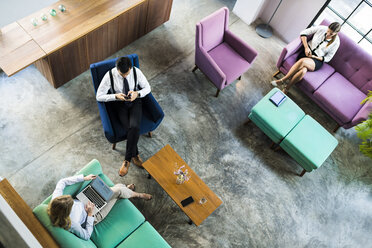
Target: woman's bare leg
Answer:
[[294, 69], [308, 65], [296, 78]]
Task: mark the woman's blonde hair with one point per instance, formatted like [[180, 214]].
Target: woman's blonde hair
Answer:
[[59, 210], [335, 27]]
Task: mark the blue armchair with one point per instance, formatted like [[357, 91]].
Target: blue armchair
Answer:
[[114, 132]]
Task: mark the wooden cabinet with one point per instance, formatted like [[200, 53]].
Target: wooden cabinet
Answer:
[[132, 25], [159, 12], [90, 31]]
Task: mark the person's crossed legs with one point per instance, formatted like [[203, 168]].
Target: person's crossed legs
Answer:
[[297, 72]]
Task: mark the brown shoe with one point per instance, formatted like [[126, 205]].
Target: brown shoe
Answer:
[[124, 168], [137, 161]]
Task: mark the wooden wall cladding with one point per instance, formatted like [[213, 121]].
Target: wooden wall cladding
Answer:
[[159, 12], [132, 25], [102, 42]]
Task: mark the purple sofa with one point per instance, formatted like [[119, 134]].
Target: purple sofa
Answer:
[[339, 86], [220, 54]]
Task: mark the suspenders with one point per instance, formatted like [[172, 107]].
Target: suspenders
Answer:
[[112, 89]]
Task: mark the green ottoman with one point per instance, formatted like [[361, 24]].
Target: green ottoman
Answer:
[[276, 122], [309, 144]]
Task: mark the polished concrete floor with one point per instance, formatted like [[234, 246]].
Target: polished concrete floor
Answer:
[[47, 134]]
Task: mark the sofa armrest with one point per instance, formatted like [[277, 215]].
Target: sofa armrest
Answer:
[[240, 46], [64, 238], [289, 50], [155, 111], [105, 119], [209, 67], [362, 115]]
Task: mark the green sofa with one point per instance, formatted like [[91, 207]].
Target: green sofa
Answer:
[[124, 226]]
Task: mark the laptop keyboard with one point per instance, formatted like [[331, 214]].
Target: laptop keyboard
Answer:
[[93, 197]]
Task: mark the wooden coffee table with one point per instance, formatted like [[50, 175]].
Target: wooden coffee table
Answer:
[[161, 167]]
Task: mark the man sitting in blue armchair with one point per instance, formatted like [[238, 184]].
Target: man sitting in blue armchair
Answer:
[[124, 86]]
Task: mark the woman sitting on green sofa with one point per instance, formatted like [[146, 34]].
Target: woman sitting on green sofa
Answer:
[[72, 215]]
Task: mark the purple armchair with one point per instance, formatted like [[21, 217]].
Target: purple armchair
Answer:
[[219, 54], [339, 86]]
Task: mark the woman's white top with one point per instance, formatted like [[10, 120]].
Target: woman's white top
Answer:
[[319, 35], [78, 214]]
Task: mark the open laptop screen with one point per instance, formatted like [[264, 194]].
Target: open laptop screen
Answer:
[[101, 188]]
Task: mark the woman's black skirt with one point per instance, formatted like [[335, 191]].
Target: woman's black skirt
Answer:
[[318, 63]]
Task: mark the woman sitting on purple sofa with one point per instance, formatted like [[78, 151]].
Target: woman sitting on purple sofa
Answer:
[[320, 49]]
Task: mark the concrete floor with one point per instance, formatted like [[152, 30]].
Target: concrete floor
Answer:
[[47, 134]]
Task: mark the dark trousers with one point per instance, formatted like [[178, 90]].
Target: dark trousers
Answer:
[[130, 115]]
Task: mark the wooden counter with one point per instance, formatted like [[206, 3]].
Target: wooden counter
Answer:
[[17, 49], [89, 31]]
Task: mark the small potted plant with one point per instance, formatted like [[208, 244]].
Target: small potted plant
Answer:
[[182, 175]]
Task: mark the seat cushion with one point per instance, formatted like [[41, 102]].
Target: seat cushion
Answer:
[[340, 97], [145, 236], [64, 238], [229, 61], [276, 122], [312, 80], [309, 143], [122, 220]]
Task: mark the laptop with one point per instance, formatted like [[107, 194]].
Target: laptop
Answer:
[[97, 192]]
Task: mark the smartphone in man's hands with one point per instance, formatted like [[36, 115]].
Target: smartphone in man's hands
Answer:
[[128, 97]]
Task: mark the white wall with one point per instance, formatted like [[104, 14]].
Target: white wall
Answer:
[[291, 17], [248, 10]]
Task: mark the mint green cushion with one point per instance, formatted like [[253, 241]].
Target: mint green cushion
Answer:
[[309, 143], [145, 236], [122, 220], [276, 122], [64, 238]]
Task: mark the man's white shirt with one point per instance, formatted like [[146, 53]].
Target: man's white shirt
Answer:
[[105, 85]]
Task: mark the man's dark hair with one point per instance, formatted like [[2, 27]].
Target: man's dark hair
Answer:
[[123, 64]]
